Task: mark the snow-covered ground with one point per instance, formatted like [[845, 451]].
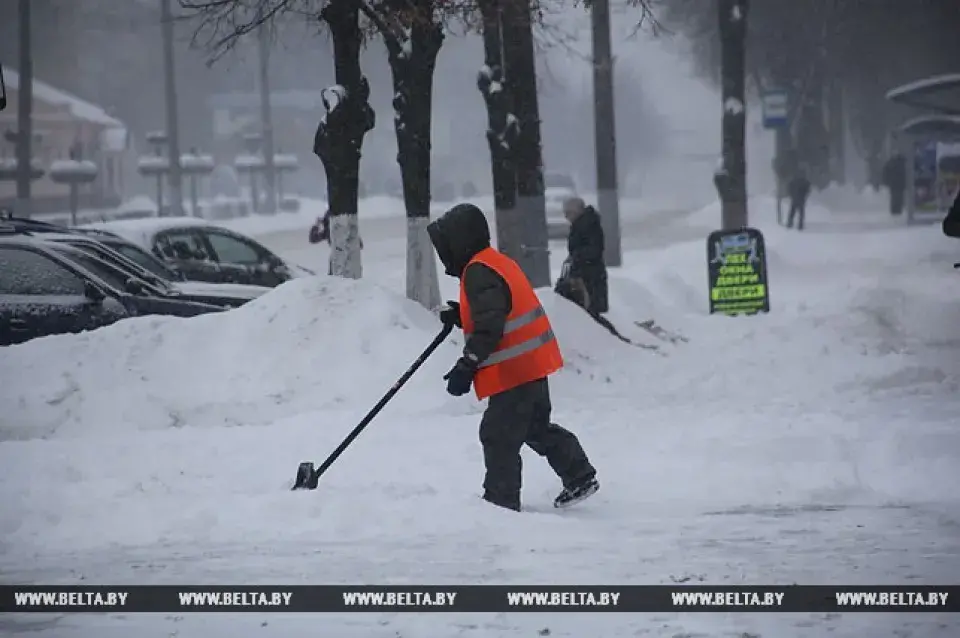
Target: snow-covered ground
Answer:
[[818, 444]]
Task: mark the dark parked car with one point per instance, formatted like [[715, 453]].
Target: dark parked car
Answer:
[[203, 252], [226, 295], [118, 251], [45, 290]]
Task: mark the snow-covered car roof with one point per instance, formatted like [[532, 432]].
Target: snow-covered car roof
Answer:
[[142, 231]]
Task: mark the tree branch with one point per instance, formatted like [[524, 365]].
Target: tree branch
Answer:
[[390, 37]]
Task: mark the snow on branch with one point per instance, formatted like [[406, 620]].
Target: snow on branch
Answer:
[[387, 26]]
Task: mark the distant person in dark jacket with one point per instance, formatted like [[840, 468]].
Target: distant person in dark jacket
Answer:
[[585, 244], [895, 179], [951, 223], [799, 190]]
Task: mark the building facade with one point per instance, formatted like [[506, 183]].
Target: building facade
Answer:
[[63, 125]]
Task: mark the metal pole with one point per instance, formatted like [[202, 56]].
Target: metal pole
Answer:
[[605, 136], [24, 149], [266, 122], [175, 178]]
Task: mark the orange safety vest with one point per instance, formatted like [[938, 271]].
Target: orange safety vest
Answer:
[[528, 349]]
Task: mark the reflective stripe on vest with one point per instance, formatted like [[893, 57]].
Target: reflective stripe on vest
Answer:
[[526, 346]]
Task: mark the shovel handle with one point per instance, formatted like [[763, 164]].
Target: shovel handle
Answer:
[[440, 338]]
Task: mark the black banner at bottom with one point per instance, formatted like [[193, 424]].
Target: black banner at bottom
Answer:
[[476, 598]]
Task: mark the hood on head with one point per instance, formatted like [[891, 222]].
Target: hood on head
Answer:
[[458, 235]]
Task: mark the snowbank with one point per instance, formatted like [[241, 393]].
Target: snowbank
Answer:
[[316, 343], [310, 344]]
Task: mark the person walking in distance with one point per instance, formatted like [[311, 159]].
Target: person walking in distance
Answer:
[[510, 351], [585, 255], [799, 191]]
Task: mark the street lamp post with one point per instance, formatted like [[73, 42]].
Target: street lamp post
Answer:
[[605, 135], [266, 122], [174, 175]]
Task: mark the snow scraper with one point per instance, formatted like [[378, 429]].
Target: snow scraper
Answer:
[[308, 476]]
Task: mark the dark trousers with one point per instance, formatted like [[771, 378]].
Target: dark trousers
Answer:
[[896, 201], [798, 210], [522, 416]]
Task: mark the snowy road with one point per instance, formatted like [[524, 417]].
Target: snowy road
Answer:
[[815, 445]]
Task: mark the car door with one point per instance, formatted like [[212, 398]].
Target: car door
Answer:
[[189, 252], [259, 266], [40, 296]]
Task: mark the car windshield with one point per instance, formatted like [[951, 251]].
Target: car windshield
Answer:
[[110, 274], [120, 262], [144, 259]]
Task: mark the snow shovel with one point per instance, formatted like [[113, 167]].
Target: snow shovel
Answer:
[[308, 476]]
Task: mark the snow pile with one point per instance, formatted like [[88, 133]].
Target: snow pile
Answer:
[[832, 300], [311, 344]]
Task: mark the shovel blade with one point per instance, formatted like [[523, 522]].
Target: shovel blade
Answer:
[[307, 477]]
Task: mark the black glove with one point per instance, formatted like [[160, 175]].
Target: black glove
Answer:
[[450, 316], [460, 377]]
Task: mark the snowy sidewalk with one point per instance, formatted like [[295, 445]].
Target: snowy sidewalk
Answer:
[[815, 445]]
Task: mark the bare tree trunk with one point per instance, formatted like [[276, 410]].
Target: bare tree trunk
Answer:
[[340, 134], [733, 32], [521, 80], [502, 132], [413, 57]]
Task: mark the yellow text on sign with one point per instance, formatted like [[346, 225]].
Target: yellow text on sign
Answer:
[[738, 292]]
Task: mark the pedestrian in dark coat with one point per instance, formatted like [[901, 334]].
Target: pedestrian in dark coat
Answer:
[[951, 223], [895, 179], [585, 254], [799, 191], [509, 352]]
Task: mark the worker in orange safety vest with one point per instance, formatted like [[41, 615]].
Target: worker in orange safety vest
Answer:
[[510, 351]]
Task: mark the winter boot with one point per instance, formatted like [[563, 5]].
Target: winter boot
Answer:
[[576, 493], [504, 503]]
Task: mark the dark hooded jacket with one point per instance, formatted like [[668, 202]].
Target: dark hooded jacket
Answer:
[[951, 223], [799, 189], [457, 236], [585, 247]]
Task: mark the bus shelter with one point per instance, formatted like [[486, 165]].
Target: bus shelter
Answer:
[[931, 145]]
